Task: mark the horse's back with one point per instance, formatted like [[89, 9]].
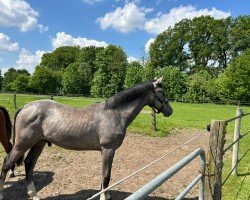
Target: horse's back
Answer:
[[62, 125]]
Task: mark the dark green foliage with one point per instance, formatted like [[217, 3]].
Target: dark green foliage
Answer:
[[168, 48], [200, 43], [200, 87], [88, 55], [21, 83], [240, 34], [234, 83], [10, 76], [174, 81], [221, 44], [203, 43], [77, 79], [61, 57], [109, 78], [149, 72], [134, 74], [46, 81]]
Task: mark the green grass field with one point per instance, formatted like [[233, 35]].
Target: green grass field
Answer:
[[185, 116]]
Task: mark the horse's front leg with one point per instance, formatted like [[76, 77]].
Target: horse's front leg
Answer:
[[107, 160]]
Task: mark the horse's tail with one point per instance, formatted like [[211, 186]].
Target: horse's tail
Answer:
[[20, 160], [8, 124]]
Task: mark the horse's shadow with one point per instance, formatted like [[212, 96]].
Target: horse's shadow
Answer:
[[115, 195], [18, 189]]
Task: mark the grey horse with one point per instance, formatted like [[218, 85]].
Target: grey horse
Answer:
[[100, 126]]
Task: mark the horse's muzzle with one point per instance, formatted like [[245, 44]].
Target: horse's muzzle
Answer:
[[168, 113]]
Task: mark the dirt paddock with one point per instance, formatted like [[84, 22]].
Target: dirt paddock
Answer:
[[62, 174]]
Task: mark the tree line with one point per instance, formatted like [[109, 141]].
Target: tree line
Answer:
[[203, 58]]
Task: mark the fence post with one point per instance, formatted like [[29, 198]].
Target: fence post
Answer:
[[213, 181], [14, 102], [236, 145], [153, 119]]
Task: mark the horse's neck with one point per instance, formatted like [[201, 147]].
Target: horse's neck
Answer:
[[132, 109]]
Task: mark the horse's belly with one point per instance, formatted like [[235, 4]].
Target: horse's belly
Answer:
[[76, 141]]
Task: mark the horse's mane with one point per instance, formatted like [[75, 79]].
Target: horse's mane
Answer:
[[129, 95]]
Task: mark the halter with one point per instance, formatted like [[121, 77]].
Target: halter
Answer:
[[162, 103]]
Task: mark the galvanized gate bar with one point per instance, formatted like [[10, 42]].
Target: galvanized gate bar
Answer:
[[144, 191], [189, 187]]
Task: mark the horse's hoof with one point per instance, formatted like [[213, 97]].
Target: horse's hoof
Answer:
[[33, 195], [105, 197], [35, 198]]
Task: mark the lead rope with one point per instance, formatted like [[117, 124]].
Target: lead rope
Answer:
[[139, 170]]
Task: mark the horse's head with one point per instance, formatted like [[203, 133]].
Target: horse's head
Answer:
[[159, 100]]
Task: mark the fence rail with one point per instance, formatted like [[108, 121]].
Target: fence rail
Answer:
[[143, 192]]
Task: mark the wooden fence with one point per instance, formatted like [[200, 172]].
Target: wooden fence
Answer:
[[216, 151]]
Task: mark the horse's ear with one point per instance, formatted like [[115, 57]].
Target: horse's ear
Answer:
[[158, 81]]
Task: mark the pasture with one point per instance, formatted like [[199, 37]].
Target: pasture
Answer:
[[187, 118]]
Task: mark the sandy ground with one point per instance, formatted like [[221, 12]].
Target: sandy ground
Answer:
[[62, 174]]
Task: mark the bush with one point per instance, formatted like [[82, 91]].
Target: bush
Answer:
[[234, 83], [174, 81]]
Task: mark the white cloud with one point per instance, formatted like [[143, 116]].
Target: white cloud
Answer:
[[43, 28], [163, 21], [131, 59], [29, 61], [147, 45], [19, 13], [91, 1], [6, 44], [63, 39], [125, 19], [132, 17], [4, 70]]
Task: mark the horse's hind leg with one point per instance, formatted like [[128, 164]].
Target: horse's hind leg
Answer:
[[107, 160], [8, 163], [11, 173], [30, 162]]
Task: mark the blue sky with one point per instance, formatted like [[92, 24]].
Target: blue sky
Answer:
[[30, 28]]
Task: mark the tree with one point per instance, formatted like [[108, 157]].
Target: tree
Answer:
[[221, 45], [240, 35], [169, 47], [174, 81], [45, 81], [77, 79], [10, 76], [21, 83], [234, 83], [200, 43], [134, 74], [203, 43], [109, 78], [199, 86], [60, 58], [148, 72], [88, 55]]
